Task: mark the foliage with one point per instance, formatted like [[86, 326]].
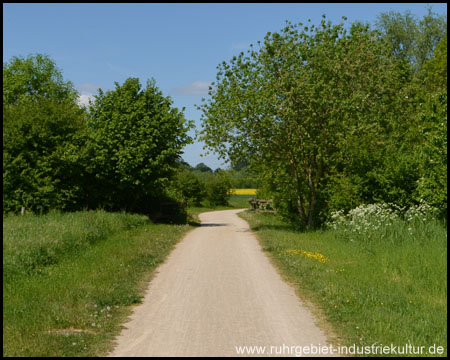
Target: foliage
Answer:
[[412, 40], [374, 220], [244, 177], [34, 77], [43, 133], [432, 184], [308, 102], [398, 276], [435, 69], [137, 139], [431, 115], [191, 187], [203, 168], [120, 155], [218, 188], [88, 271]]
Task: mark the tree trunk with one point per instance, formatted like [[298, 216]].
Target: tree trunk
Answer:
[[300, 206], [311, 200]]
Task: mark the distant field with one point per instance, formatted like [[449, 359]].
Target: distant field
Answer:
[[244, 191]]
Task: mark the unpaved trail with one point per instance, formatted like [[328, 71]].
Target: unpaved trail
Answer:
[[217, 290]]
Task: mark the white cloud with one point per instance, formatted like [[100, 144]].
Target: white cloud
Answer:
[[196, 88], [86, 91], [83, 99]]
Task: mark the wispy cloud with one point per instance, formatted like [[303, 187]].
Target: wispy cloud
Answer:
[[83, 99], [196, 88], [87, 91]]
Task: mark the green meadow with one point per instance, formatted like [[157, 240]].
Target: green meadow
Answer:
[[71, 279], [387, 286]]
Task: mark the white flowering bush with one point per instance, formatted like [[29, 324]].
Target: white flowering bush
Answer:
[[421, 212], [367, 221]]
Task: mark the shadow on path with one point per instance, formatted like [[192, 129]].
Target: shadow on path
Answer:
[[212, 225]]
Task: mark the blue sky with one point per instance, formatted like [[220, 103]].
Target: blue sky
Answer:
[[179, 45]]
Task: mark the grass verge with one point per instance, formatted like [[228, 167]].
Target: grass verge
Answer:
[[61, 299], [386, 291], [70, 279]]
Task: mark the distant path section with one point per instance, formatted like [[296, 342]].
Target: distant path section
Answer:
[[217, 291]]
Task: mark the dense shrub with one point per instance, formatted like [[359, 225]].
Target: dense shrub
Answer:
[[191, 187], [218, 188]]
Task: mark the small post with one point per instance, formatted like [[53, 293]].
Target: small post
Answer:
[[22, 211]]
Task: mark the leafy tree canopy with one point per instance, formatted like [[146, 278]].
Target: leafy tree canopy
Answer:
[[308, 99], [42, 132], [203, 168], [411, 39], [138, 139], [33, 77]]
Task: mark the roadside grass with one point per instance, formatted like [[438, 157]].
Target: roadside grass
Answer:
[[61, 299], [32, 242], [389, 289], [69, 279]]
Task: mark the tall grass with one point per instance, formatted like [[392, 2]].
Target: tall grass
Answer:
[[69, 279], [376, 279], [32, 242]]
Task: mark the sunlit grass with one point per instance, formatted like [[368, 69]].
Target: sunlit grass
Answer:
[[69, 278], [390, 288], [63, 300]]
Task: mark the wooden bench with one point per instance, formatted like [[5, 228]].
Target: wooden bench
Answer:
[[260, 204]]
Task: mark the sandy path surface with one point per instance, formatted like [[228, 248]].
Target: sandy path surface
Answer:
[[217, 291]]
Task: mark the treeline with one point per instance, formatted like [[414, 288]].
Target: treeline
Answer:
[[119, 154], [333, 117], [194, 185], [122, 153]]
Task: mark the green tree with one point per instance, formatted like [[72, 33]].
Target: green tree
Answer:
[[218, 188], [137, 140], [34, 77], [412, 40], [43, 131], [203, 168], [244, 178], [434, 73], [431, 147], [191, 187], [309, 100]]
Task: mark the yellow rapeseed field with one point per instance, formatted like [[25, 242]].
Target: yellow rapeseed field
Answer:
[[243, 191]]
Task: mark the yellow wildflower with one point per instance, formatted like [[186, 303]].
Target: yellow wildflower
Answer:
[[316, 256]]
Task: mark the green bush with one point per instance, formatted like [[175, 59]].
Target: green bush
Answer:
[[41, 155], [43, 132], [218, 188], [190, 187]]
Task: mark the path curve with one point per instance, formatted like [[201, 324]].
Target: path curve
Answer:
[[217, 290]]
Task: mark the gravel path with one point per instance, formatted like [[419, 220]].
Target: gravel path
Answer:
[[217, 291]]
